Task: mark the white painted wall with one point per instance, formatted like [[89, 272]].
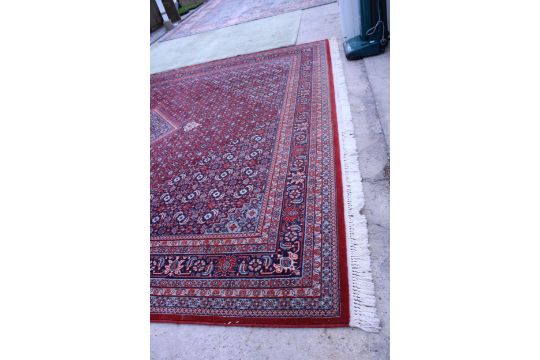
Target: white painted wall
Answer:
[[350, 18]]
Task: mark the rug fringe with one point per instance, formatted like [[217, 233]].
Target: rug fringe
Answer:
[[363, 311]]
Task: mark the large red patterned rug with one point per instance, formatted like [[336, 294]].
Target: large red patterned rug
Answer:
[[247, 203]]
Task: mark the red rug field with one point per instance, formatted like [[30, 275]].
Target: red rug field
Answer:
[[247, 216]]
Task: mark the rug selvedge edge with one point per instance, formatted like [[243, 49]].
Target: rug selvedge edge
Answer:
[[362, 301]]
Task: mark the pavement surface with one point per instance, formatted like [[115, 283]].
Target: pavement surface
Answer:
[[368, 90], [217, 14], [271, 33]]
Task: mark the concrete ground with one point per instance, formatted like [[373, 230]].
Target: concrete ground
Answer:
[[156, 35], [272, 32], [368, 88]]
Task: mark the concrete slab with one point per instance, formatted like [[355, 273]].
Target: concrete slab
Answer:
[[367, 85], [378, 71], [217, 14], [250, 37], [156, 35]]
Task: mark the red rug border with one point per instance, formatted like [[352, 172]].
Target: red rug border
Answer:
[[343, 320]]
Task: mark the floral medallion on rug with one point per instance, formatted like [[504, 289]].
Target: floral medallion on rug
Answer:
[[216, 14], [247, 212]]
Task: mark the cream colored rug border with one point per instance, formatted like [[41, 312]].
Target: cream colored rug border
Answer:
[[361, 288]]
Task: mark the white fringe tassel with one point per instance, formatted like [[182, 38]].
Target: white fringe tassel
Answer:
[[361, 289]]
